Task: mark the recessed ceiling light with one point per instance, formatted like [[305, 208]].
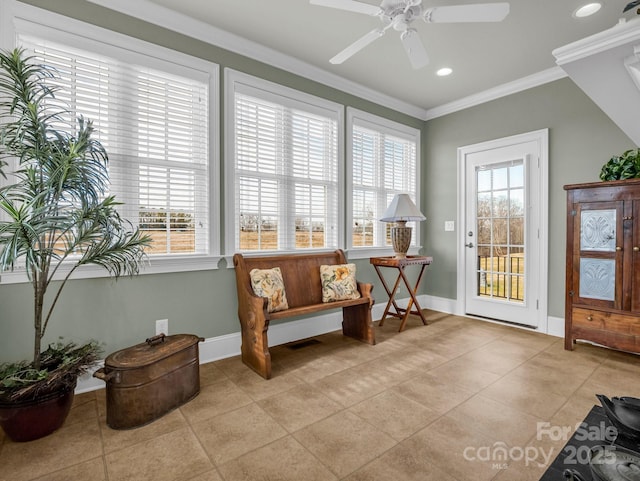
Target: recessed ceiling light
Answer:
[[443, 72], [588, 9]]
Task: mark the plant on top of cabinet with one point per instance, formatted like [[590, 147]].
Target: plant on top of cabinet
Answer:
[[619, 167]]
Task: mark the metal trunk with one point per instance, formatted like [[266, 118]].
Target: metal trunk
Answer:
[[146, 381]]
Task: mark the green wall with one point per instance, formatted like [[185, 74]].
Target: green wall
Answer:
[[123, 313], [581, 139]]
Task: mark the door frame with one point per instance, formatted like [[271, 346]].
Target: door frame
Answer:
[[542, 139]]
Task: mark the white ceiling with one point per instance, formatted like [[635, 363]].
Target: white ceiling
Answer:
[[482, 56]]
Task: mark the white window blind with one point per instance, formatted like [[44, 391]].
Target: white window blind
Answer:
[[154, 126], [384, 163], [285, 173]]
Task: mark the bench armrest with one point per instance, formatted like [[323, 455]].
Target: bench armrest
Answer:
[[365, 289], [249, 304]]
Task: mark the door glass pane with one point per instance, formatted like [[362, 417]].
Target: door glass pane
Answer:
[[598, 230], [500, 203], [499, 259], [484, 180], [516, 231], [484, 231], [484, 262], [500, 178], [500, 231], [516, 176], [516, 267], [516, 202], [484, 204]]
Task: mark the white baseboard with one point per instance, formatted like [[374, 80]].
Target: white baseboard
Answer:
[[555, 326], [440, 304], [228, 345]]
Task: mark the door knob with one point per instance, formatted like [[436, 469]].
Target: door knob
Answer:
[[636, 249], [470, 244]]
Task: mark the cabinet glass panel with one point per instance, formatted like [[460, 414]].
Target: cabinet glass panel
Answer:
[[597, 278], [598, 230]]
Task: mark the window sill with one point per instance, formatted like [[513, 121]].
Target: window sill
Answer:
[[153, 266]]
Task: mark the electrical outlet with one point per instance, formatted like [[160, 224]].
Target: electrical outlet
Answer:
[[449, 225], [162, 326]]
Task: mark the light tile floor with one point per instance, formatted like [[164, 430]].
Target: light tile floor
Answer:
[[434, 402]]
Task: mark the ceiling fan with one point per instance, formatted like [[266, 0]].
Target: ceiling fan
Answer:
[[399, 14]]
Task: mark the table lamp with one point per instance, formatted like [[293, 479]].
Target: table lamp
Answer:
[[401, 210]]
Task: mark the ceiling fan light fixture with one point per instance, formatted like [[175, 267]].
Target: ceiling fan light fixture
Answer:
[[587, 9], [444, 71]]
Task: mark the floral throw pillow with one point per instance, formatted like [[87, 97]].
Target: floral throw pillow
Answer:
[[339, 282], [269, 283]]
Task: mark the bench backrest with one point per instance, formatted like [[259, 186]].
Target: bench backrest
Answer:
[[300, 272]]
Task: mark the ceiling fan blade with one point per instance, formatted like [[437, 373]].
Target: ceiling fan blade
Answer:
[[414, 48], [481, 12], [631, 5], [349, 5], [358, 45]]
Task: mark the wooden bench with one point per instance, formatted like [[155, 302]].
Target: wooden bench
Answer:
[[301, 275]]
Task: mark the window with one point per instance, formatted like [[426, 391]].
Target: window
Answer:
[[283, 168], [154, 111], [383, 158]]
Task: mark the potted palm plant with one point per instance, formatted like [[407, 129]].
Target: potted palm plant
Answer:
[[55, 216]]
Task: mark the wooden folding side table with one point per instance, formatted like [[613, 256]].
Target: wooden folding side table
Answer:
[[400, 265]]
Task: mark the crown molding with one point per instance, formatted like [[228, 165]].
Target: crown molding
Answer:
[[180, 23], [622, 33], [525, 83]]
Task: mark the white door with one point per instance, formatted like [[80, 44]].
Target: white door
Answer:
[[501, 241]]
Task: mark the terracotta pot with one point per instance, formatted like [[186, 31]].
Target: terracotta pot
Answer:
[[30, 420]]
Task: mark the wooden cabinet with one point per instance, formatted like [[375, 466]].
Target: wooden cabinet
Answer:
[[602, 302]]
